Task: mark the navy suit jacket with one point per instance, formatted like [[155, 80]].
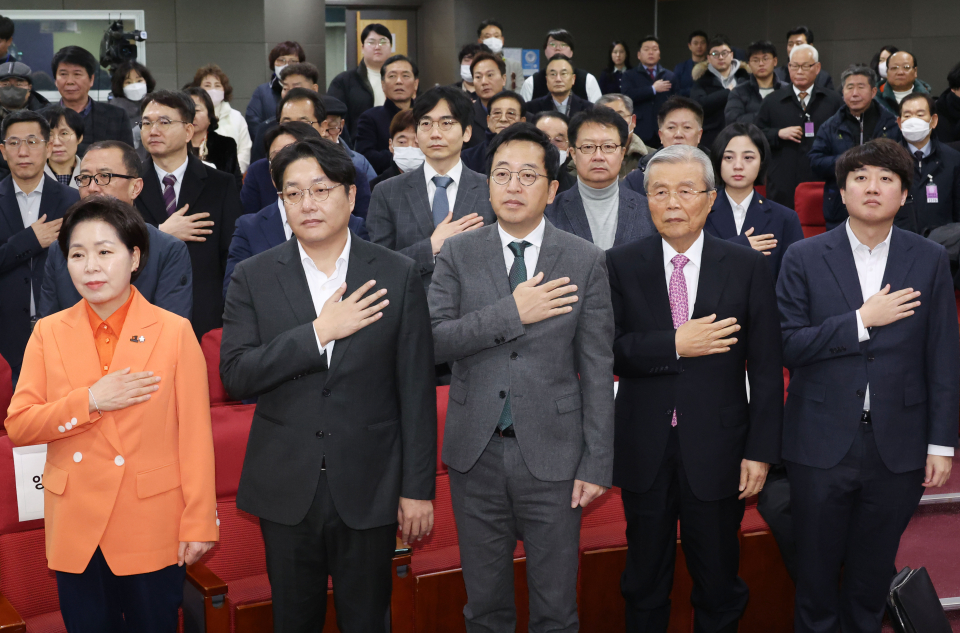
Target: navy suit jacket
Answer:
[[633, 218], [258, 190], [637, 85], [373, 135], [765, 216], [261, 231], [166, 280], [22, 261], [911, 365]]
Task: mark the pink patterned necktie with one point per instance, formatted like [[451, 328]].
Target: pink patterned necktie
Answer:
[[679, 305]]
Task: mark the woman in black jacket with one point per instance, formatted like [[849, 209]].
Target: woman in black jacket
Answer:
[[220, 151], [618, 62]]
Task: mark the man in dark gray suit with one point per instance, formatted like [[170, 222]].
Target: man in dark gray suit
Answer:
[[598, 209], [112, 168], [405, 213], [522, 312]]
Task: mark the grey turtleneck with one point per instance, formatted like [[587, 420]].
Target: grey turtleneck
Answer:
[[602, 207]]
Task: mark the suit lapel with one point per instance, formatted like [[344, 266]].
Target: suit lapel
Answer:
[[193, 181], [650, 277], [758, 215], [141, 323], [493, 256], [628, 222], [272, 226], [150, 199], [839, 257], [467, 194], [713, 275], [572, 207], [360, 269], [10, 208], [899, 261], [50, 200], [721, 217], [418, 202], [549, 252], [293, 282]]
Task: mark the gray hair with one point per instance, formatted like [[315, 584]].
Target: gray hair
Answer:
[[616, 96], [859, 69], [805, 47], [675, 154]]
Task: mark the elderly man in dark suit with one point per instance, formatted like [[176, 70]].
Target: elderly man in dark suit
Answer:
[[414, 213], [870, 337], [112, 168], [598, 209], [522, 312], [691, 311]]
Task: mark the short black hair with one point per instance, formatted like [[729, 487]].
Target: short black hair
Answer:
[[697, 33], [179, 101], [559, 57], [131, 160], [204, 97], [648, 38], [332, 158], [913, 96], [304, 94], [26, 116], [678, 102], [75, 55], [471, 49], [394, 60], [561, 35], [953, 78], [526, 132], [120, 75], [55, 114], [489, 22], [602, 116], [732, 131], [508, 94], [880, 152], [6, 28], [461, 107], [479, 57], [801, 30], [297, 129], [123, 217], [549, 114], [379, 29], [719, 40], [762, 47], [305, 69]]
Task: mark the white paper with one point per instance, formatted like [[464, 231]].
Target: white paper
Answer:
[[28, 463], [616, 387]]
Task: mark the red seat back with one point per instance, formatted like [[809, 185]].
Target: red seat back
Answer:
[[443, 396], [761, 189], [444, 532], [607, 509], [231, 429], [240, 552], [808, 199], [210, 345]]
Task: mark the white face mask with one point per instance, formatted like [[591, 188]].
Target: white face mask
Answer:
[[494, 44], [408, 158], [882, 67], [135, 92], [216, 96], [915, 129], [465, 73], [277, 69]]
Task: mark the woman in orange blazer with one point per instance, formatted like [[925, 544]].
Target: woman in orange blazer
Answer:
[[117, 389]]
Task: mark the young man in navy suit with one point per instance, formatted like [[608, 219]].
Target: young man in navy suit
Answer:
[[870, 337], [649, 85]]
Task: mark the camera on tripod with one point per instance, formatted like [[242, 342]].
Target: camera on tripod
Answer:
[[118, 47]]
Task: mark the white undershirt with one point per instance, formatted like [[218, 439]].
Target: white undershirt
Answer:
[[322, 287], [373, 76]]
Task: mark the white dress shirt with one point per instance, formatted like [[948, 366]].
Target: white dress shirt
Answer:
[[177, 173], [806, 100], [691, 272], [530, 255], [455, 172], [287, 230], [739, 210], [871, 264], [323, 287], [592, 87], [29, 212]]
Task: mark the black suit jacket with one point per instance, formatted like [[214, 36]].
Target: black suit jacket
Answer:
[[22, 262], [638, 85], [206, 190], [546, 102], [222, 152], [940, 168], [370, 413], [717, 427], [105, 122]]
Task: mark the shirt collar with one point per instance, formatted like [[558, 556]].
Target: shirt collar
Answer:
[[455, 172], [694, 253], [341, 260], [925, 149], [283, 213], [178, 172], [744, 205], [86, 108], [797, 91], [535, 237], [564, 102], [855, 243], [38, 191], [115, 321]]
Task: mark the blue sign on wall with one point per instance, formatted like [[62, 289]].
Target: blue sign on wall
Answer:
[[530, 61]]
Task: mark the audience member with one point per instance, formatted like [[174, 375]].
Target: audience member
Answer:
[[790, 118], [112, 168], [263, 103], [490, 35], [130, 83], [336, 111], [934, 198], [33, 205], [674, 456], [66, 134], [299, 75], [561, 77], [466, 55], [400, 81], [407, 154], [16, 89], [862, 437], [7, 30], [798, 37], [681, 123], [901, 80], [188, 200], [635, 148], [879, 62], [618, 62], [506, 108], [414, 213], [362, 88], [489, 78], [713, 81], [859, 119], [649, 85], [555, 126], [210, 147], [598, 209], [230, 122], [744, 100], [559, 42], [697, 43], [948, 108], [74, 69]]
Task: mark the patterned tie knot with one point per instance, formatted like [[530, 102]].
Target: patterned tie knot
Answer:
[[442, 182], [919, 155], [169, 180], [802, 96], [679, 261], [517, 248]]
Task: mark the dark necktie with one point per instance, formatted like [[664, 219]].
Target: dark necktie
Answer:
[[919, 156], [441, 206], [170, 194], [518, 275], [653, 73]]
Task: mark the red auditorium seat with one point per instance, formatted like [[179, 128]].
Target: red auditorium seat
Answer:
[[210, 345], [443, 397], [761, 189], [808, 199], [6, 388]]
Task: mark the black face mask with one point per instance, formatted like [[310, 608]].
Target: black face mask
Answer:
[[12, 97]]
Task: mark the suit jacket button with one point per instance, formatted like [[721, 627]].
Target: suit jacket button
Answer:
[[325, 393], [514, 356], [668, 412], [503, 395], [870, 357], [859, 393], [320, 434]]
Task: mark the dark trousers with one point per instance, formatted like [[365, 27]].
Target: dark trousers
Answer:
[[99, 601], [710, 545], [495, 503], [773, 504], [301, 557], [849, 516]]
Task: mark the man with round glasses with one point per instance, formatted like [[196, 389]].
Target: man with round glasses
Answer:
[[112, 168], [598, 209]]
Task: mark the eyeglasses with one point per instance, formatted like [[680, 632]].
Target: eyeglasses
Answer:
[[527, 177], [31, 142], [685, 195], [588, 149], [445, 124], [721, 54], [805, 67], [66, 134], [289, 120], [563, 73], [766, 59], [377, 43], [162, 124], [102, 179], [319, 193], [497, 115], [287, 60], [905, 68], [558, 46]]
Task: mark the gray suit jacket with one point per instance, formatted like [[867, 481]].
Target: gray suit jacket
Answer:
[[401, 219], [633, 218], [564, 424]]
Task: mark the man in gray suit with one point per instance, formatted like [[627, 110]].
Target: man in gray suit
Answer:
[[405, 213], [598, 209], [529, 429]]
